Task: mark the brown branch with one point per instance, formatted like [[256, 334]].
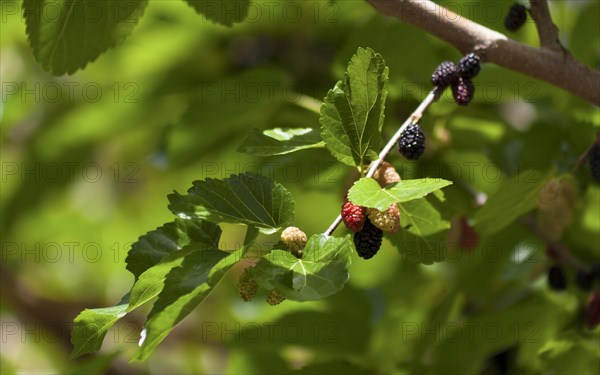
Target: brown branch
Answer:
[[559, 69], [547, 30], [560, 250], [412, 119], [583, 158]]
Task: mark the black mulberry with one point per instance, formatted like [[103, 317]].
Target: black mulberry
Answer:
[[469, 66], [368, 240], [584, 280], [444, 74], [516, 17], [412, 142], [463, 90], [556, 278]]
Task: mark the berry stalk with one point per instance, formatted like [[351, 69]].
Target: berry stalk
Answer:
[[412, 119]]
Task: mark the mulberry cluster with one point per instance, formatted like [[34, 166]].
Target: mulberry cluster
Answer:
[[459, 77], [353, 216], [516, 17], [388, 220], [412, 142], [368, 240], [247, 285], [274, 298], [294, 239], [594, 161]]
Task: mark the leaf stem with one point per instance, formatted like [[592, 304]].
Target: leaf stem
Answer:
[[308, 102], [412, 119], [584, 157]]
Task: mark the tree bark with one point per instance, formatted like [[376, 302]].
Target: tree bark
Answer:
[[551, 63]]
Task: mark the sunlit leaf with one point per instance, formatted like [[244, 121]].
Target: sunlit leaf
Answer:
[[240, 199], [280, 141], [352, 114], [65, 35], [321, 272], [91, 325], [367, 192], [423, 238]]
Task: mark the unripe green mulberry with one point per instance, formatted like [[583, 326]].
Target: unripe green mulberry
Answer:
[[388, 220], [295, 240], [556, 202], [274, 298], [386, 174], [247, 285]]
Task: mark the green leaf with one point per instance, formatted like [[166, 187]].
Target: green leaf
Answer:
[[321, 272], [157, 244], [91, 325], [225, 12], [65, 35], [240, 199], [186, 206], [517, 196], [424, 238], [367, 192], [352, 114], [185, 288], [280, 141], [151, 282]]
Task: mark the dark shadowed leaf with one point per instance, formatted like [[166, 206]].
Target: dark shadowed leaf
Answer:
[[240, 199], [225, 12], [157, 244], [185, 288]]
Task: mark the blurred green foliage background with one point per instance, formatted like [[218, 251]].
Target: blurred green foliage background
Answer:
[[88, 159]]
